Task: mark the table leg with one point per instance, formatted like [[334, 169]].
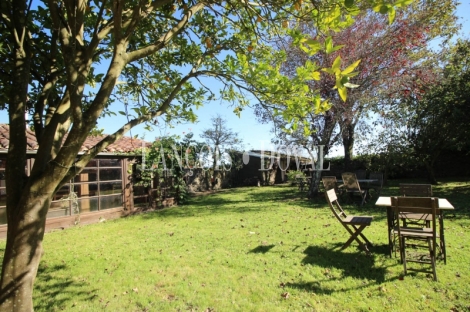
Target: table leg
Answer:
[[390, 224], [442, 242]]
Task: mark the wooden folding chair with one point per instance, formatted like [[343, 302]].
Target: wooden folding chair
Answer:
[[412, 236], [353, 224], [352, 187], [376, 185], [330, 182]]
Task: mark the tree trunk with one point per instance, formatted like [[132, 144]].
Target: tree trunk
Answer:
[[430, 169], [315, 184], [22, 254], [348, 145], [313, 190]]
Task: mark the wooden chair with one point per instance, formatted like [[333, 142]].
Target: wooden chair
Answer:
[[376, 186], [416, 190], [414, 237], [361, 174], [353, 224], [422, 220], [330, 182], [301, 181], [352, 187]]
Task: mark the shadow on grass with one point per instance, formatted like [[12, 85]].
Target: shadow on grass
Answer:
[[267, 198], [262, 249], [57, 290], [351, 265], [237, 200]]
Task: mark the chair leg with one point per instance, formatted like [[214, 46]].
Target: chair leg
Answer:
[[403, 253], [368, 243], [364, 198], [354, 236], [432, 254], [442, 245]]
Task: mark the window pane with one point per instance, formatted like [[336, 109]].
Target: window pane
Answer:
[[3, 197], [87, 175], [88, 204], [108, 202], [64, 191], [107, 188], [3, 216], [92, 163], [59, 209], [110, 174], [110, 163], [86, 189]]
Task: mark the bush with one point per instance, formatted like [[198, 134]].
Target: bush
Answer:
[[292, 174]]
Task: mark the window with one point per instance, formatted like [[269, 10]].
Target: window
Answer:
[[98, 187]]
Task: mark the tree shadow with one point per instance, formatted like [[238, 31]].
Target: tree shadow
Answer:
[[236, 202], [57, 290], [356, 265]]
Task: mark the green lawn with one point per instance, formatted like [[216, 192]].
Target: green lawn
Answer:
[[248, 249]]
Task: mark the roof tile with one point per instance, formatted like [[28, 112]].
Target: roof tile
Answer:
[[123, 145]]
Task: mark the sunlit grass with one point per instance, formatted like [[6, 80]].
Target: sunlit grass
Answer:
[[248, 249]]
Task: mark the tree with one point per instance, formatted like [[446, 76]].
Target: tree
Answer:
[[392, 58], [220, 137], [63, 60], [436, 118]]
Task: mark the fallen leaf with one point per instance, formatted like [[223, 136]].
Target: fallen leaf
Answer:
[[285, 295]]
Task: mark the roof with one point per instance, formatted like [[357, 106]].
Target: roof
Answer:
[[123, 145]]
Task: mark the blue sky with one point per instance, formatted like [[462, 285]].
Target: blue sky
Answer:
[[253, 134]]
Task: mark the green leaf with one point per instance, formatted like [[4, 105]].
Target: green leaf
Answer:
[[314, 46], [122, 113], [344, 80], [391, 15], [350, 68], [343, 93], [315, 75], [353, 74], [348, 3], [336, 64], [329, 45], [384, 9], [336, 48], [329, 71], [377, 7], [402, 3]]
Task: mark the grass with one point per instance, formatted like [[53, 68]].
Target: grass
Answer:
[[248, 249]]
